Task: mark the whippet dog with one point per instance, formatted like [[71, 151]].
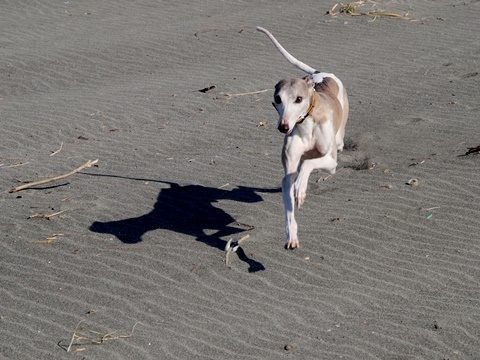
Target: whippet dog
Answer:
[[313, 112]]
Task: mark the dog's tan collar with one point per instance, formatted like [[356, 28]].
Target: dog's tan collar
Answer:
[[309, 111]]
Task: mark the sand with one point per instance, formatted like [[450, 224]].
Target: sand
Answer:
[[385, 270]]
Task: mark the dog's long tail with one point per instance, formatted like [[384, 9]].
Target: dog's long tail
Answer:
[[302, 66]]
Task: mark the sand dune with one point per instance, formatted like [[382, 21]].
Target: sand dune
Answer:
[[385, 270]]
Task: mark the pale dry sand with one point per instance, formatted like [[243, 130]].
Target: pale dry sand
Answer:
[[385, 271]]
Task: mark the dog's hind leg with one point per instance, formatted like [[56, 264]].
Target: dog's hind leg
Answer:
[[339, 139], [341, 131]]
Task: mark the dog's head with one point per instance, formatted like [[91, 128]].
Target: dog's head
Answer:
[[292, 102]]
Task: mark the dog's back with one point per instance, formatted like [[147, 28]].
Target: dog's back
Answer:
[[326, 83]]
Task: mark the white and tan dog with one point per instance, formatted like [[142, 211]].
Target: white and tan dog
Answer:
[[313, 112]]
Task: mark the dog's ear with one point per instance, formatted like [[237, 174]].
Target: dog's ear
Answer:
[[279, 85], [309, 81]]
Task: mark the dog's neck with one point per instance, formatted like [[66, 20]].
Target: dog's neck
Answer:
[[310, 108]]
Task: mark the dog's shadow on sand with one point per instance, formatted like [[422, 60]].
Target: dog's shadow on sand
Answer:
[[189, 210]]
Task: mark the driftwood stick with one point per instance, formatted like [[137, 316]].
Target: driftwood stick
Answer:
[[432, 208], [97, 339], [49, 240], [57, 151], [88, 164], [229, 95], [16, 165], [46, 216], [232, 246], [73, 336]]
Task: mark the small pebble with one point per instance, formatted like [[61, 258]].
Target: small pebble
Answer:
[[412, 182]]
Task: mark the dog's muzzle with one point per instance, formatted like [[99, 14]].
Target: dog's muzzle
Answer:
[[283, 128]]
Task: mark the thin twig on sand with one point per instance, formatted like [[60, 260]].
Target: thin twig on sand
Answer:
[[46, 216], [73, 336], [351, 9], [229, 95], [247, 227], [88, 164], [15, 165], [57, 151], [232, 246], [91, 337], [49, 240], [432, 208]]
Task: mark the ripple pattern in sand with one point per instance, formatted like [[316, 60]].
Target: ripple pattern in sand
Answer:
[[383, 272]]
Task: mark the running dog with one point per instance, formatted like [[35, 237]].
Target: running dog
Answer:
[[312, 112]]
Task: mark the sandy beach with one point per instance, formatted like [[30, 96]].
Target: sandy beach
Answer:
[[126, 260]]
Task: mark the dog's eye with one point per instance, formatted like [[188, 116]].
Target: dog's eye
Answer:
[[277, 99], [298, 100]]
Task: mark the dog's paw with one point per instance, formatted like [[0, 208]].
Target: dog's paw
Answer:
[[300, 199], [292, 243], [300, 194]]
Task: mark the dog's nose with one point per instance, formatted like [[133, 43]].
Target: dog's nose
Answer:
[[283, 128]]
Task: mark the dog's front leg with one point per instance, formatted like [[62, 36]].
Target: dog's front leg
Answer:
[[327, 162], [324, 138], [288, 204], [291, 155]]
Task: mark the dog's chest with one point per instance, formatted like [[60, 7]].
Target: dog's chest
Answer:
[[315, 136]]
